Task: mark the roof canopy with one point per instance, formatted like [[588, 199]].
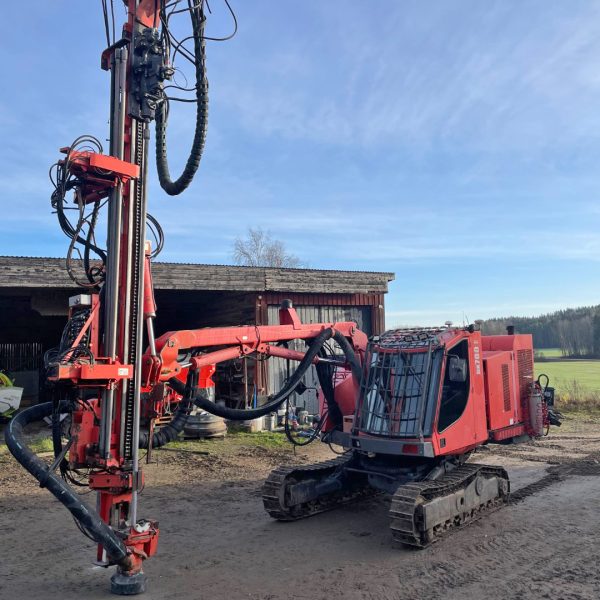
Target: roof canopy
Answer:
[[33, 272]]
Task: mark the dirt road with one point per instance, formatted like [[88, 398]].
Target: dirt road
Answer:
[[217, 542]]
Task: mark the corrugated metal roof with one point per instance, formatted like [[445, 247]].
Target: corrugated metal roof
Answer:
[[49, 272]]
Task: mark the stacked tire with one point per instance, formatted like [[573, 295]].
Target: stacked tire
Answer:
[[203, 425]]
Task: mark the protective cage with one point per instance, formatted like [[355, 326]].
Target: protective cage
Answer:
[[399, 391]]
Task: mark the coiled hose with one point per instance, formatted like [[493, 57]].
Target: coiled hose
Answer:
[[87, 517], [173, 188], [234, 414]]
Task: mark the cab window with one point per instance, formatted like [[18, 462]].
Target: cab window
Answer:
[[455, 388]]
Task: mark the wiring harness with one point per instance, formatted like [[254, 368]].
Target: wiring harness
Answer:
[[157, 51], [78, 218], [81, 230]]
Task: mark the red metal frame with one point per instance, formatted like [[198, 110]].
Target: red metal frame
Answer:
[[240, 341], [99, 172], [113, 484], [112, 479], [97, 425], [102, 372]]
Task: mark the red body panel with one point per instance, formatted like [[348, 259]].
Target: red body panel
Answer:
[[346, 394], [470, 429], [501, 389], [509, 375]]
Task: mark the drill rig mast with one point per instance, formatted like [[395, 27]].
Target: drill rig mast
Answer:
[[100, 374], [100, 369]]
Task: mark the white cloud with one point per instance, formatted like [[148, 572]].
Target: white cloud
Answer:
[[488, 81]]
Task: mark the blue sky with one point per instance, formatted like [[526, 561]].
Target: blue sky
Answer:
[[456, 144]]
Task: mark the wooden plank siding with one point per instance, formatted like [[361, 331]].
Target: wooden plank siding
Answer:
[[376, 302], [32, 272]]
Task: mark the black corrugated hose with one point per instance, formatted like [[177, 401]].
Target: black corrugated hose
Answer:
[[86, 516], [170, 432], [173, 188], [234, 414]]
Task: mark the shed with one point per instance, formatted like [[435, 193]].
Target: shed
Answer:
[[34, 296]]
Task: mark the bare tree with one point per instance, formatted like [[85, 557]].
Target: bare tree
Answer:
[[259, 249]]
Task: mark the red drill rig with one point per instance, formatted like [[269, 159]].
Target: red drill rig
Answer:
[[427, 399]]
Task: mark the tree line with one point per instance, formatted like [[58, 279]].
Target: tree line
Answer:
[[576, 331]]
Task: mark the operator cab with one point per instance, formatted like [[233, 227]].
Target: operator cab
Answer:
[[417, 382]]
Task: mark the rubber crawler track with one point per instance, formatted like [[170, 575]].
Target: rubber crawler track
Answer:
[[406, 507], [274, 490]]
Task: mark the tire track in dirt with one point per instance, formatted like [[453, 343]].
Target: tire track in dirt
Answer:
[[516, 558], [217, 542], [589, 465]]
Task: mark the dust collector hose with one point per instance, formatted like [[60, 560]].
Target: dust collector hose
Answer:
[[173, 429], [86, 516], [173, 188], [234, 414]]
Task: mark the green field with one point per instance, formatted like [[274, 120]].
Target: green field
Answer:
[[563, 373], [568, 374], [548, 352]]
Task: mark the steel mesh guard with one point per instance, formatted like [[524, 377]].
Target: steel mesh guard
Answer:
[[395, 390]]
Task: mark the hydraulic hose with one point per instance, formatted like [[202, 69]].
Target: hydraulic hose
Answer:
[[234, 414], [87, 517], [350, 355], [173, 429], [325, 375], [173, 188]]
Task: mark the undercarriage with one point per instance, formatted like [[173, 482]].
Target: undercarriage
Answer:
[[428, 498]]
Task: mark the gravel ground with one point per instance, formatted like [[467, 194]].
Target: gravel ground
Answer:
[[217, 542]]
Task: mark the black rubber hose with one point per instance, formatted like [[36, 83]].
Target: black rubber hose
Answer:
[[333, 408], [325, 375], [350, 355], [173, 429], [173, 188], [234, 414], [86, 516], [56, 425]]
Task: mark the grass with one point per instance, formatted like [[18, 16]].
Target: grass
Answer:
[[37, 444], [41, 444], [267, 439], [548, 353], [577, 384], [575, 399], [562, 374], [235, 439]]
